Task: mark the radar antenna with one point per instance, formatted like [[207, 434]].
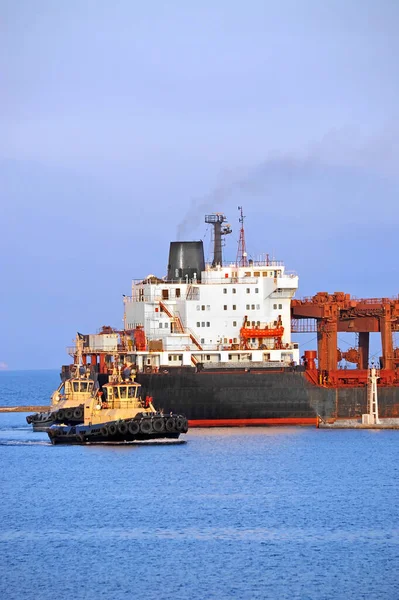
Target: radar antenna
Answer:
[[241, 252]]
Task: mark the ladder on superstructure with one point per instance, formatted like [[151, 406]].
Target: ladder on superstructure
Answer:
[[176, 320]]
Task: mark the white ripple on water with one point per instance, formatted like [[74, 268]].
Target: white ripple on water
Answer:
[[258, 534], [24, 443]]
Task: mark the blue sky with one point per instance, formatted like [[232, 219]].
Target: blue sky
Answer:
[[124, 122]]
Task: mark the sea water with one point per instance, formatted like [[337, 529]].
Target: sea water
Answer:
[[229, 513]]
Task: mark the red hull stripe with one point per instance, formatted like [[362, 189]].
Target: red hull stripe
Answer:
[[251, 422]]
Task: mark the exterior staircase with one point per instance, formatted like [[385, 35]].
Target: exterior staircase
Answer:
[[177, 322]]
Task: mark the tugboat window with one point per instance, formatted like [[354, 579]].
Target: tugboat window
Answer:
[[83, 386], [76, 386], [122, 392]]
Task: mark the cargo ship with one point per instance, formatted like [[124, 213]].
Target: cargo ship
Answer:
[[214, 341]]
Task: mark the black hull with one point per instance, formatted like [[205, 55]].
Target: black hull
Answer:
[[121, 431], [259, 395], [73, 439]]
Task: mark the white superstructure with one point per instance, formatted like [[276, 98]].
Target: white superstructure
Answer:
[[223, 315]]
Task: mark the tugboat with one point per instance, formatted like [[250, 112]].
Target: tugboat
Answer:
[[68, 400], [118, 414]]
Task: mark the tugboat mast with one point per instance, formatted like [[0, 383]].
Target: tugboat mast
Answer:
[[241, 260]]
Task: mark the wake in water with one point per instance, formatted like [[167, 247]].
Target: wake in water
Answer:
[[24, 443]]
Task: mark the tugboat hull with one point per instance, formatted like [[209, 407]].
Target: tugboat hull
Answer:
[[121, 431]]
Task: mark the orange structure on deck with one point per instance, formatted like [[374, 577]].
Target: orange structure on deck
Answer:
[[260, 333], [339, 312]]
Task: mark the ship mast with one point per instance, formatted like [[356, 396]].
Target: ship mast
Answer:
[[242, 251], [217, 219]]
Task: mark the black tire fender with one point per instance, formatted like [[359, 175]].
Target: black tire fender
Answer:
[[170, 424], [77, 413], [112, 429], [122, 427], [145, 426], [134, 427], [158, 425], [180, 424]]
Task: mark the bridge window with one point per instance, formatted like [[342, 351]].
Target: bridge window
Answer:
[[198, 324], [256, 290], [275, 306], [203, 324], [280, 306], [234, 307], [234, 323], [234, 290], [224, 290], [248, 290], [225, 307], [165, 294], [252, 306], [247, 306], [203, 307], [177, 292], [198, 307], [208, 324], [160, 325], [257, 306]]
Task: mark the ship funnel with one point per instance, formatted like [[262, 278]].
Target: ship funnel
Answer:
[[186, 261]]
